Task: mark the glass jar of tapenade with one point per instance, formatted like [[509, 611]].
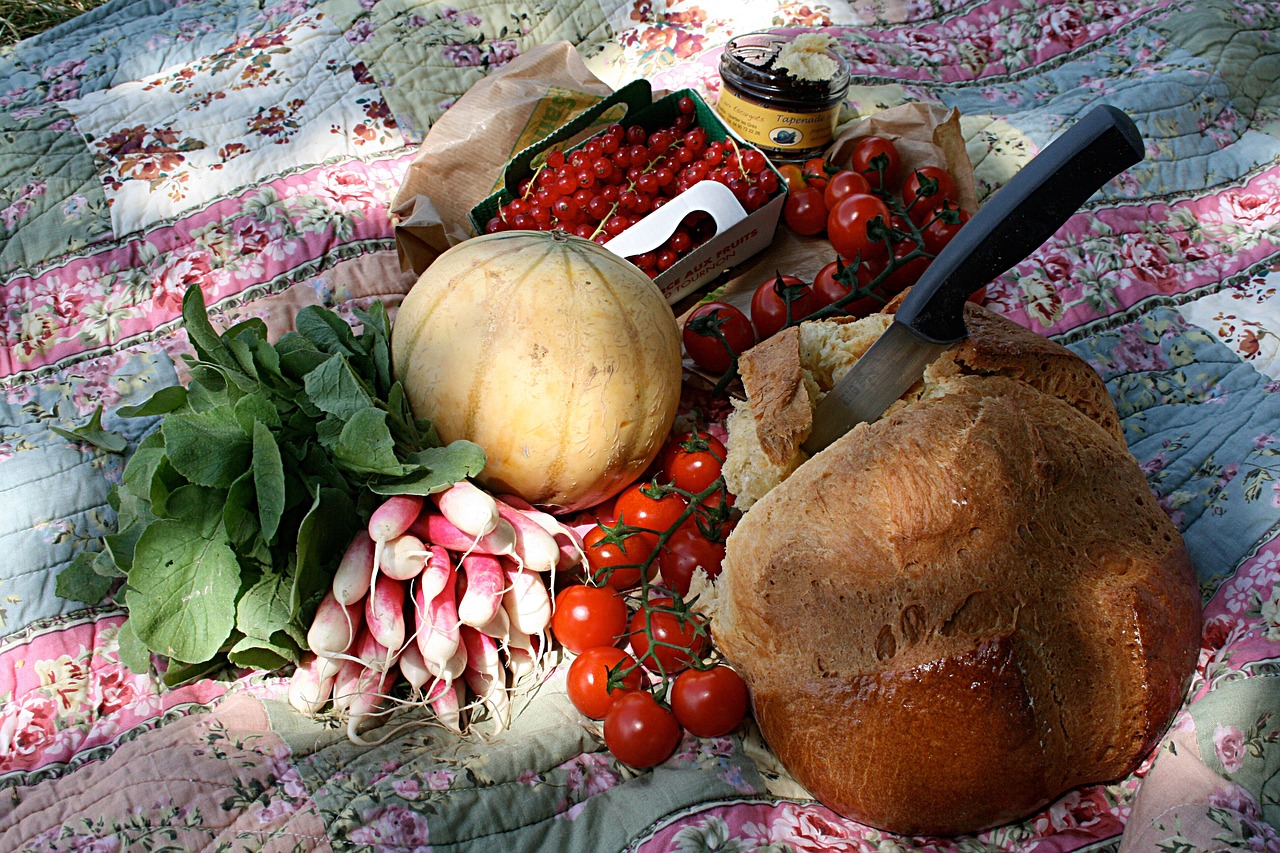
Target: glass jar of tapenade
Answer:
[[785, 116]]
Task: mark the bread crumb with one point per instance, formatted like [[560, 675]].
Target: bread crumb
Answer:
[[703, 588], [806, 57], [748, 472]]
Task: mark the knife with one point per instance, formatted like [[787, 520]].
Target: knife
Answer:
[[1012, 224]]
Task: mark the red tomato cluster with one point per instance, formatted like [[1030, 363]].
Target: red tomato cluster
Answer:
[[870, 212], [641, 663], [885, 227]]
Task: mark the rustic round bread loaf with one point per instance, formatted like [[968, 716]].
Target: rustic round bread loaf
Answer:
[[955, 614]]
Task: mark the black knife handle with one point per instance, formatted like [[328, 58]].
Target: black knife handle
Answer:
[[1019, 217]]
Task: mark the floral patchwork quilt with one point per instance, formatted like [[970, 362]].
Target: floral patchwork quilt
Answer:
[[253, 149]]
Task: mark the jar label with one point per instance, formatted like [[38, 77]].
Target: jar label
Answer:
[[770, 127]]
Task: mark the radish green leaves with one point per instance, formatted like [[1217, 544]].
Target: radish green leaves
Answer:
[[233, 514]]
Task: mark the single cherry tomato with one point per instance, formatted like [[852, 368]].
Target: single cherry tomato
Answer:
[[838, 278], [852, 228], [942, 225], [676, 641], [817, 171], [924, 189], [769, 304], [805, 212], [614, 563], [707, 350], [639, 731], [792, 175], [878, 160], [686, 550], [843, 183], [588, 679], [587, 616], [709, 702], [979, 295], [657, 514], [692, 461], [909, 272], [878, 294]]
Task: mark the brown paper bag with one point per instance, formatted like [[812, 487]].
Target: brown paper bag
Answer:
[[462, 158]]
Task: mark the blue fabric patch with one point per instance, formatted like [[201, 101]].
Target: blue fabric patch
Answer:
[[1201, 423]]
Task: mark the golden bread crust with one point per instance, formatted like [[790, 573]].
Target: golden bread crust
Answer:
[[956, 613]]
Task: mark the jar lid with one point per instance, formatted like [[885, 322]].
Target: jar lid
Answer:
[[748, 63]]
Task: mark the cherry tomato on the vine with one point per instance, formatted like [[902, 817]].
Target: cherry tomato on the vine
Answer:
[[686, 550], [769, 303], [817, 171], [615, 562], [838, 278], [587, 616], [924, 189], [709, 702], [942, 225], [693, 462], [851, 227], [878, 160], [805, 211], [658, 514], [843, 183], [705, 348], [639, 731], [588, 679], [792, 175], [676, 642]]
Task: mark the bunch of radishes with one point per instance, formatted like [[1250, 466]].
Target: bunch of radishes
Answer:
[[447, 592]]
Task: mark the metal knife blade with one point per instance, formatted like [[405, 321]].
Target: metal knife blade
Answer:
[[892, 365], [1013, 223]]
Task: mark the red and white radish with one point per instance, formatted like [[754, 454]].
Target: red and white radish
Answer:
[[526, 600], [328, 667], [346, 684], [446, 703], [567, 539], [413, 667], [369, 702], [433, 527], [485, 675], [499, 627], [311, 684], [517, 639], [521, 663], [393, 517], [384, 612], [535, 547], [468, 507], [373, 654], [403, 557], [438, 636], [351, 580], [437, 574], [485, 582], [334, 626], [452, 668]]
